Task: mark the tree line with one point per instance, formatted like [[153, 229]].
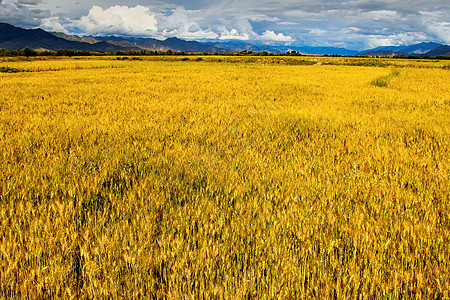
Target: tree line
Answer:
[[28, 52]]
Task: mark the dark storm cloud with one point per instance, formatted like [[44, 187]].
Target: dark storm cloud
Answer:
[[20, 15]]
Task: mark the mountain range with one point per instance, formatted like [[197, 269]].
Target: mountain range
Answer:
[[13, 38], [430, 48]]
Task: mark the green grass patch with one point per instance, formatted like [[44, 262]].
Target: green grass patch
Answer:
[[383, 81], [11, 70]]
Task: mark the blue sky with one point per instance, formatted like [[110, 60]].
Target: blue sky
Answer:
[[354, 24]]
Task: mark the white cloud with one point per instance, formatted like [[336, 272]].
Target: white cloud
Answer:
[[351, 29], [399, 39], [317, 31], [137, 20], [181, 24], [262, 18], [287, 23], [269, 35], [378, 41], [233, 34], [378, 15], [53, 24], [439, 29]]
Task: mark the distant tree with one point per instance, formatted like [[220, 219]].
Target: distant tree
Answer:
[[134, 52], [65, 52], [13, 52], [47, 53], [169, 52], [82, 53], [28, 52]]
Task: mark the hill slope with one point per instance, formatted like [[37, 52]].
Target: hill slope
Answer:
[[442, 50], [384, 53], [13, 38], [177, 44], [416, 49]]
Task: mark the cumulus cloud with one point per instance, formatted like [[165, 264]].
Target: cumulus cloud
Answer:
[[137, 20], [437, 25], [177, 22], [441, 30], [266, 36], [358, 38], [233, 34], [53, 24], [180, 23], [269, 35]]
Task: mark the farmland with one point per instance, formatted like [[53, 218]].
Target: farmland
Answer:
[[224, 177]]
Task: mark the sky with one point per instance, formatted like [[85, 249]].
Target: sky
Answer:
[[352, 24]]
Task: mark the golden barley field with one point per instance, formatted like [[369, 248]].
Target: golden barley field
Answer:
[[224, 178]]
